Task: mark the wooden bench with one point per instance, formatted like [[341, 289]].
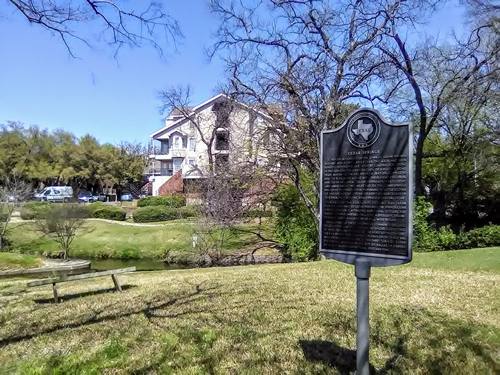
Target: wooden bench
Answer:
[[61, 279]]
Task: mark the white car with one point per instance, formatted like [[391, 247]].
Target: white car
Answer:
[[55, 194]]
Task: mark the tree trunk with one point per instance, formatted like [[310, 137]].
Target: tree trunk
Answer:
[[419, 152]]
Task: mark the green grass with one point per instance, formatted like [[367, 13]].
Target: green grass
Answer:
[[461, 260], [271, 319], [10, 261], [102, 239]]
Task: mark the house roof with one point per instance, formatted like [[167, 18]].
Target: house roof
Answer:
[[199, 108]]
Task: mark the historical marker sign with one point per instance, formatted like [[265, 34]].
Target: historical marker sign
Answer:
[[365, 204], [366, 191]]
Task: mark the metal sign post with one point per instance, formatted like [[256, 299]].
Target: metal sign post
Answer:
[[365, 203], [362, 270]]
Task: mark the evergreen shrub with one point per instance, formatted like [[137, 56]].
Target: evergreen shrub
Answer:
[[295, 225], [175, 200], [100, 210], [155, 213]]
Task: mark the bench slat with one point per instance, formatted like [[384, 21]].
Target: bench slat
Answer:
[[60, 279]]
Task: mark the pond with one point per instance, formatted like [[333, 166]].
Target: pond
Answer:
[[140, 264]]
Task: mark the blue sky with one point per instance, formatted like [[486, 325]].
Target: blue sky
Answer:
[[116, 99]]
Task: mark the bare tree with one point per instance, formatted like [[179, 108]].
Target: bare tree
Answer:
[[425, 80], [62, 223], [221, 208], [119, 25], [228, 200], [302, 62], [483, 11], [461, 158], [12, 192]]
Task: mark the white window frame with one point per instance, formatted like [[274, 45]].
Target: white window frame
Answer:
[[174, 165], [192, 143], [177, 141]]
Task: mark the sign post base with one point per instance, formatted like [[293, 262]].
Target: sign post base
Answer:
[[362, 271]]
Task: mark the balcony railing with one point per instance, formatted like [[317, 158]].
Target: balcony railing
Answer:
[[166, 172], [177, 152], [170, 153]]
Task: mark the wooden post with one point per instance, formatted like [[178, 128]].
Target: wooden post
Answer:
[[118, 287], [54, 289]]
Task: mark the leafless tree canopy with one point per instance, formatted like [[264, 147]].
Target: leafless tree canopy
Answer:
[[302, 61], [118, 24], [62, 223], [422, 81], [228, 198], [484, 10], [12, 191]]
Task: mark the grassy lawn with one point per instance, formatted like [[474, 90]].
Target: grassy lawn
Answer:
[[10, 261], [427, 317], [113, 240], [461, 260]]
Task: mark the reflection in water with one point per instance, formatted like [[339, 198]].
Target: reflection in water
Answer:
[[140, 264]]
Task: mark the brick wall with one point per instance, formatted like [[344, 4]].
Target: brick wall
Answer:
[[174, 185]]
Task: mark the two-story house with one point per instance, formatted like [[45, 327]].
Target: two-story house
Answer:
[[208, 136]]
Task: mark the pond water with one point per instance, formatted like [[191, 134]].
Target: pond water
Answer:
[[140, 264]]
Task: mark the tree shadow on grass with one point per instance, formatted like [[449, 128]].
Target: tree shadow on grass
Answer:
[[342, 359], [68, 297], [416, 339], [150, 309]]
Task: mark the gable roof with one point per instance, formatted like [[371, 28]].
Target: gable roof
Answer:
[[201, 107]]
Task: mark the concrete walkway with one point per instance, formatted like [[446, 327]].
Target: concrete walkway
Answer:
[[126, 223]]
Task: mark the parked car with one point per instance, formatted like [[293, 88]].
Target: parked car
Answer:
[[101, 198], [85, 196], [55, 194], [126, 197]]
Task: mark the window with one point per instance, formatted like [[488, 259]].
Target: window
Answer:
[[177, 164], [222, 140], [164, 147], [191, 162], [177, 142], [166, 168], [192, 144]]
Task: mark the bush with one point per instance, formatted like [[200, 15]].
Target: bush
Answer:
[[35, 210], [427, 238], [424, 236], [447, 239], [3, 217], [295, 225], [188, 211], [105, 211], [168, 201], [155, 213], [480, 237]]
